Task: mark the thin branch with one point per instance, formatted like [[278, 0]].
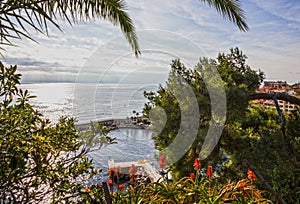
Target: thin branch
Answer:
[[280, 114], [280, 96], [265, 183]]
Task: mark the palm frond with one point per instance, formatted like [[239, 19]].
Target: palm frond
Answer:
[[231, 10], [15, 16]]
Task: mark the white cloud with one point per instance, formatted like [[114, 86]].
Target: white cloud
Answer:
[[187, 30]]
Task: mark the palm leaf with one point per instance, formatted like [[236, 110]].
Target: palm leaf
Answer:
[[231, 10], [37, 14]]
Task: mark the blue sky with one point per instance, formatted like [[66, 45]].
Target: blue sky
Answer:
[[97, 51]]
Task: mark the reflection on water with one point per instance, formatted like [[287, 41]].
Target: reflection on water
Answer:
[[106, 101], [54, 100], [87, 102]]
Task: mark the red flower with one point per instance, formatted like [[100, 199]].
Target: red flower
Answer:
[[162, 161], [242, 185], [132, 176], [192, 176], [111, 172], [251, 175], [88, 189], [120, 187], [101, 185], [209, 171], [246, 195], [110, 183], [197, 164]]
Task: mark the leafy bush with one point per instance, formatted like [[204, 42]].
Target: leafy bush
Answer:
[[40, 162]]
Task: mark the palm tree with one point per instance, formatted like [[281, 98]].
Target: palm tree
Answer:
[[18, 17]]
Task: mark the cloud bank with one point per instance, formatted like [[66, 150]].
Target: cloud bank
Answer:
[[166, 30]]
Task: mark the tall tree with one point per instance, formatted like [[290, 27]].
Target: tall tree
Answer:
[[239, 81], [251, 132]]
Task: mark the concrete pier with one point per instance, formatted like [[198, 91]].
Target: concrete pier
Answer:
[[143, 167], [139, 123]]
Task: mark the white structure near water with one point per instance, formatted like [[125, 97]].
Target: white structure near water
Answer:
[[143, 167]]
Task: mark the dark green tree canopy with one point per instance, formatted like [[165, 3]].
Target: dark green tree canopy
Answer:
[[251, 132]]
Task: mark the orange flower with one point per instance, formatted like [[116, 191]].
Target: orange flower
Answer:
[[209, 171], [132, 169], [256, 194], [132, 176], [120, 187], [251, 175], [110, 183], [162, 161], [192, 176], [197, 164], [242, 185], [111, 172]]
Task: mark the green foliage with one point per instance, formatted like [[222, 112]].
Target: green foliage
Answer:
[[40, 162], [251, 132], [96, 137], [239, 80], [258, 138], [9, 79], [187, 190]]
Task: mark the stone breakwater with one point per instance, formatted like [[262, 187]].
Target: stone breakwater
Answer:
[[134, 123]]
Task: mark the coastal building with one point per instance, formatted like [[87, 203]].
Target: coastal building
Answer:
[[275, 84], [276, 87]]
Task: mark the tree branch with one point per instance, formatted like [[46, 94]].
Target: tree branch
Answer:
[[280, 114], [265, 183], [280, 96]]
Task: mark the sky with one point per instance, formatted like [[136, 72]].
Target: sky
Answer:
[[98, 52]]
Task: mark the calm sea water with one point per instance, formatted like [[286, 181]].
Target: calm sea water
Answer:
[[90, 102]]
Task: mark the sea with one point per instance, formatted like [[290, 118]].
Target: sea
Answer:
[[88, 102]]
